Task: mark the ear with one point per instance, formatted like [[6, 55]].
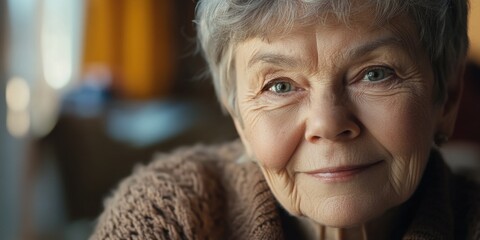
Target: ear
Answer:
[[450, 107]]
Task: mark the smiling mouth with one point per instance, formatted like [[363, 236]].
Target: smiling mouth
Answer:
[[344, 173]]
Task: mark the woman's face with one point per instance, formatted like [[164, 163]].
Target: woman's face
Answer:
[[340, 119]]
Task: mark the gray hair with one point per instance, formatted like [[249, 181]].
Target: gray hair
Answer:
[[222, 24]]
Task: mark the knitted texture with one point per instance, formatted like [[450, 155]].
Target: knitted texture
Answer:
[[204, 193], [194, 193]]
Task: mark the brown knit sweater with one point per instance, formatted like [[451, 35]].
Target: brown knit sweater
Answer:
[[205, 193]]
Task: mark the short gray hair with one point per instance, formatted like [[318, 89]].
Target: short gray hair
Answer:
[[221, 24]]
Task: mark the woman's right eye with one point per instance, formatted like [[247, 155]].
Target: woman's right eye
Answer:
[[280, 87]]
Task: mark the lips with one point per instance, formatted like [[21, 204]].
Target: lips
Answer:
[[341, 173]]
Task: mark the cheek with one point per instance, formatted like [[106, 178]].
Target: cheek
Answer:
[[273, 137], [400, 126], [404, 129]]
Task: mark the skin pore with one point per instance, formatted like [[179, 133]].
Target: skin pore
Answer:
[[340, 119]]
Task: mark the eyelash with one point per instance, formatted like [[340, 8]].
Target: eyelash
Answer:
[[389, 80], [272, 83]]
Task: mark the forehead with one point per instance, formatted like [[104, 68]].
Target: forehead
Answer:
[[280, 17], [334, 38]]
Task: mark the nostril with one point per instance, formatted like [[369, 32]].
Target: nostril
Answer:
[[346, 133], [333, 128], [315, 138]]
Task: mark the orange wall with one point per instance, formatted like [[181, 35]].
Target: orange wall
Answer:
[[474, 30], [133, 38]]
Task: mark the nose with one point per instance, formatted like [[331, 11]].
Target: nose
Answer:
[[330, 120]]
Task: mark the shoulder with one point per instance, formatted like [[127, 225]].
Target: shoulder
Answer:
[[176, 196]]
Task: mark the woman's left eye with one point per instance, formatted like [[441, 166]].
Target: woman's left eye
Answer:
[[377, 74], [281, 87]]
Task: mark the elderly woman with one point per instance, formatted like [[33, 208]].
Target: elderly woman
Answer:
[[340, 107]]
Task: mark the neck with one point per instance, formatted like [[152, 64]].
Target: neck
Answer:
[[324, 233], [379, 228]]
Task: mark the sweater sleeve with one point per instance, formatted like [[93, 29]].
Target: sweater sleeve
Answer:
[[175, 197]]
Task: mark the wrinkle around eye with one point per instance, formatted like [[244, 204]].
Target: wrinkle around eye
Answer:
[[266, 106], [276, 103], [382, 96], [411, 80], [411, 90]]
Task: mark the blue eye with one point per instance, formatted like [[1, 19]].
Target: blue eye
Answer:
[[281, 87], [377, 74]]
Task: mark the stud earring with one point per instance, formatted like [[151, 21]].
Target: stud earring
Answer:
[[440, 139]]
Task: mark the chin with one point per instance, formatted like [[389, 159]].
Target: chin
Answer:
[[347, 214]]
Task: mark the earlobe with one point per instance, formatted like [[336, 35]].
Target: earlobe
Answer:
[[440, 139], [452, 102]]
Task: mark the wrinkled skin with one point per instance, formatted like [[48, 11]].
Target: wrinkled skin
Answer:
[[330, 96]]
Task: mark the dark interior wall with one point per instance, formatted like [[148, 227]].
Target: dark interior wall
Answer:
[[191, 79]]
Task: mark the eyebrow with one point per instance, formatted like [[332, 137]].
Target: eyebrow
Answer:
[[363, 49], [292, 62], [274, 59]]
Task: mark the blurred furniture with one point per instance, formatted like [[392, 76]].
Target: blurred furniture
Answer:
[[92, 160]]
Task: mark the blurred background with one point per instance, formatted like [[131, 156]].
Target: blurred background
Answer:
[[90, 88]]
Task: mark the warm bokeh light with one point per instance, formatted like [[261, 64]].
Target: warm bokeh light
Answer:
[[57, 42], [18, 100], [57, 64], [17, 94], [18, 123]]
